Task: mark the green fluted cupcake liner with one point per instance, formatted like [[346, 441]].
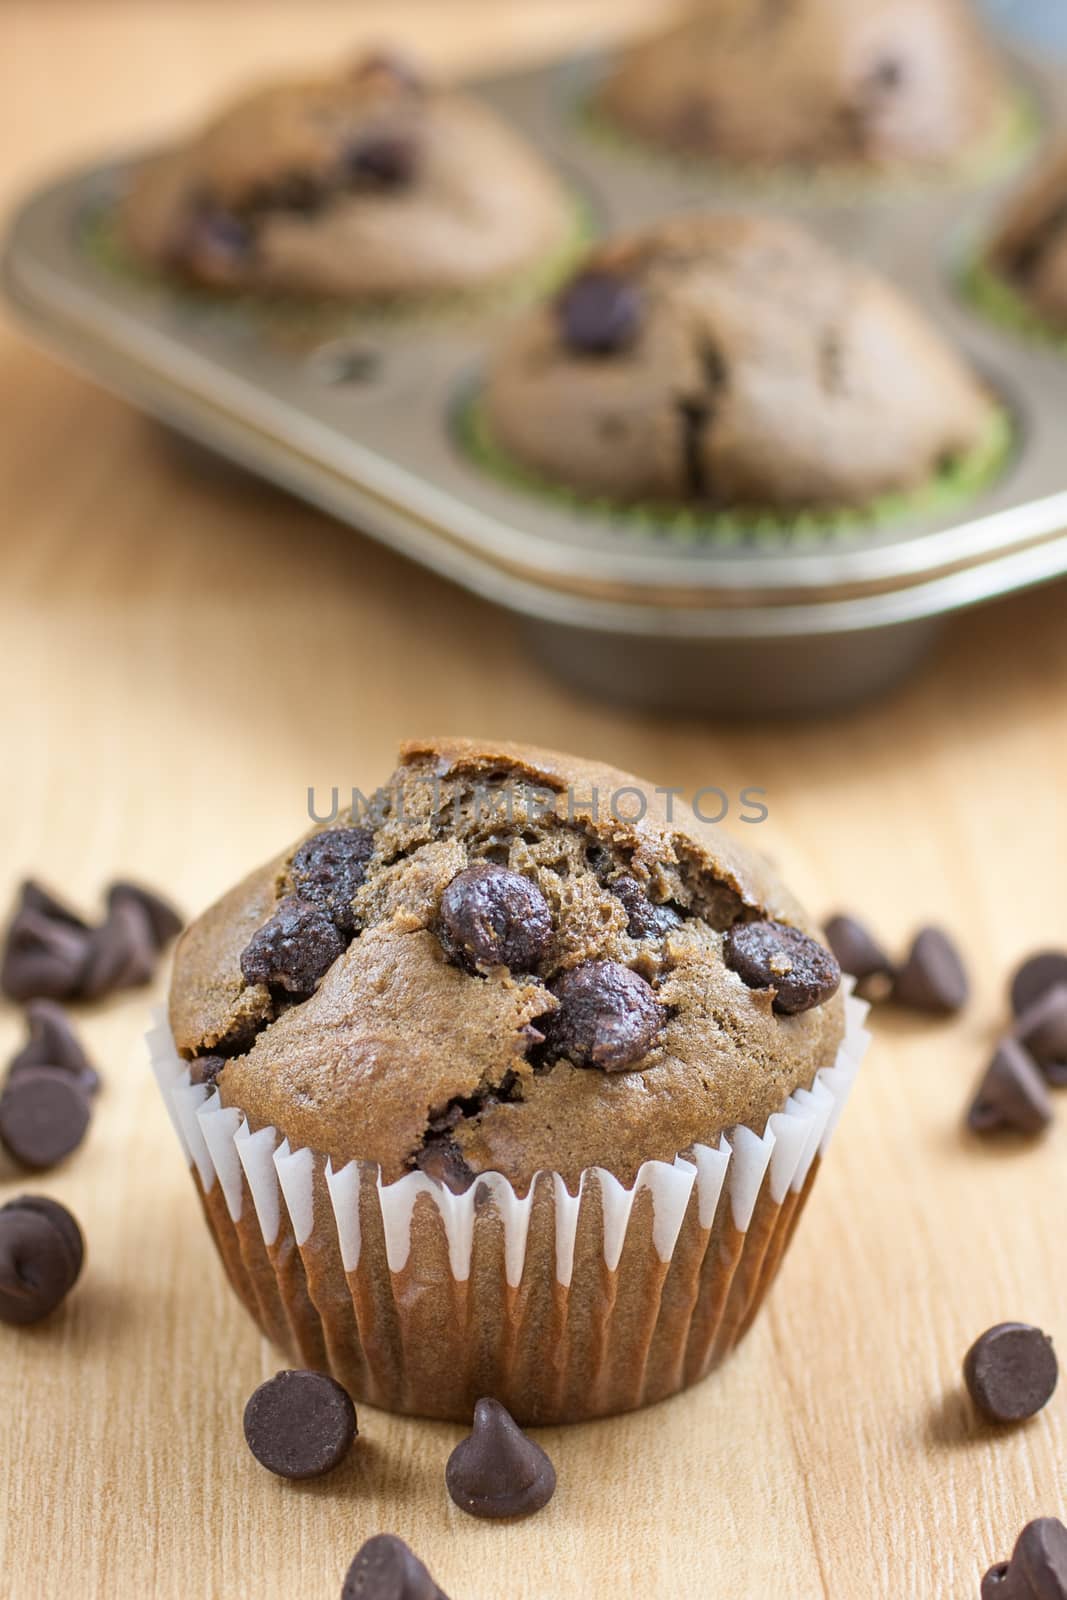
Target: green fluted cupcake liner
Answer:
[[957, 482], [322, 317], [997, 298], [1016, 135]]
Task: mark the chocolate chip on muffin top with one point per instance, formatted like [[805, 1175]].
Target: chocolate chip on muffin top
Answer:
[[491, 971]]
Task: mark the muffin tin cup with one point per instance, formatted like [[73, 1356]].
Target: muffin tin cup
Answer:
[[563, 1306]]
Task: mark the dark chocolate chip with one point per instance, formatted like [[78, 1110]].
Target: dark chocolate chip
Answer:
[[294, 949], [856, 949], [1037, 1569], [329, 869], [44, 1115], [1035, 977], [123, 952], [600, 313], [205, 1069], [932, 977], [644, 919], [41, 1255], [44, 956], [1042, 1028], [772, 955], [1013, 1096], [386, 1569], [608, 1017], [440, 1158], [54, 1044], [165, 922], [497, 1471], [492, 917], [300, 1424], [1011, 1372], [387, 161]]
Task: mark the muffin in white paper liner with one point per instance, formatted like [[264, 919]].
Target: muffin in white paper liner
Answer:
[[563, 1306]]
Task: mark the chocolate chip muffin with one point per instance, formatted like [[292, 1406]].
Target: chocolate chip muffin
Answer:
[[732, 361], [446, 988], [371, 184], [517, 1056], [1030, 247], [816, 83]]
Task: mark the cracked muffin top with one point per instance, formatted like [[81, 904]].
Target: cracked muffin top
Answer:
[[486, 969], [372, 183], [884, 83], [1030, 248], [733, 361]]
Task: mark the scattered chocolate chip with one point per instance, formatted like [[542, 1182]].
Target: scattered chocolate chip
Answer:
[[165, 922], [497, 1471], [1037, 1569], [1011, 1372], [294, 949], [329, 869], [1035, 977], [205, 1069], [1042, 1028], [300, 1424], [491, 917], [386, 1569], [54, 1044], [608, 1017], [44, 955], [600, 313], [856, 949], [1013, 1096], [44, 1115], [41, 1256], [932, 977], [772, 955], [34, 896], [388, 161], [122, 951], [644, 919]]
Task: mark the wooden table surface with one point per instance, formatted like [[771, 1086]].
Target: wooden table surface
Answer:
[[184, 653]]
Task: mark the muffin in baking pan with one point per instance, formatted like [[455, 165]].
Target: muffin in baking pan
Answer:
[[887, 85], [370, 185], [530, 1036], [737, 365], [1021, 278]]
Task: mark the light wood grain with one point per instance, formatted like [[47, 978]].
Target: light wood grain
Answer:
[[184, 652]]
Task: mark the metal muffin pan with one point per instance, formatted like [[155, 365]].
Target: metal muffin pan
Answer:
[[362, 424]]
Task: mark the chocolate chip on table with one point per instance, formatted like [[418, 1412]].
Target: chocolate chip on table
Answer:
[[300, 1424], [497, 1471], [773, 955], [1013, 1096], [492, 917], [388, 161], [164, 920], [608, 1017], [1035, 977], [294, 949], [644, 918], [386, 1569], [600, 313], [1037, 1569], [41, 1256], [329, 869], [44, 1116], [44, 952], [1011, 1372], [1042, 1028], [123, 952], [54, 1044], [856, 950], [933, 977]]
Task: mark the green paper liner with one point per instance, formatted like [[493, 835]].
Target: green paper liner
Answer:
[[1016, 135], [955, 484], [997, 298], [322, 317]]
